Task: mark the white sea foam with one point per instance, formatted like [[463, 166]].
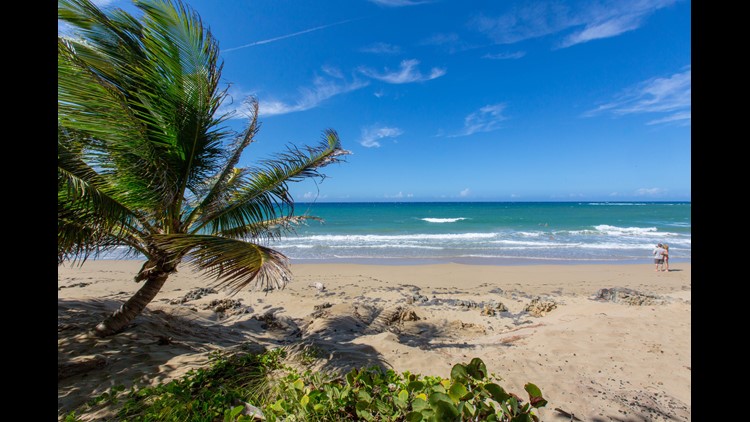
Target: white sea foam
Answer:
[[442, 220], [400, 237], [617, 203]]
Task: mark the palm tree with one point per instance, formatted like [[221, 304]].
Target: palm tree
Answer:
[[146, 163]]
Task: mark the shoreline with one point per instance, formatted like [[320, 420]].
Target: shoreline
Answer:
[[481, 261], [592, 358]]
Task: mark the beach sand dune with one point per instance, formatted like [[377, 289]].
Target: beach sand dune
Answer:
[[602, 342]]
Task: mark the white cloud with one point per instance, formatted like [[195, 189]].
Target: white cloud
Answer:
[[464, 193], [650, 191], [399, 195], [588, 20], [606, 29], [382, 48], [670, 96], [504, 56], [407, 73], [371, 135], [486, 119], [309, 97], [681, 117]]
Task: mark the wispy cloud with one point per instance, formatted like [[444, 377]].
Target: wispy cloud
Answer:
[[407, 73], [322, 89], [464, 193], [283, 37], [682, 117], [585, 21], [371, 135], [399, 3], [670, 96], [486, 119], [504, 56], [399, 195], [381, 48], [650, 191]]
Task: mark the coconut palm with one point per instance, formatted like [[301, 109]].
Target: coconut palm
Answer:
[[145, 160]]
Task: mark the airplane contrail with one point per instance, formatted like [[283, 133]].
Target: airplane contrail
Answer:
[[270, 40]]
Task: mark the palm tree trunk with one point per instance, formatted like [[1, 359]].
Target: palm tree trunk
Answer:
[[155, 275]]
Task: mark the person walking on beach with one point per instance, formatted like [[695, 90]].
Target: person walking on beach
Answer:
[[659, 257], [666, 257]]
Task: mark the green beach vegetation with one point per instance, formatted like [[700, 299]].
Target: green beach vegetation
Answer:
[[145, 163], [248, 387]]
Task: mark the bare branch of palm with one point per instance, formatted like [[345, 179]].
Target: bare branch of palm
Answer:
[[234, 263]]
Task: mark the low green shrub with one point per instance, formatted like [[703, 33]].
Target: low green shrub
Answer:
[[234, 387]]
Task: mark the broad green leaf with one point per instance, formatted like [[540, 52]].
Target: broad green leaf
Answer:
[[457, 391], [362, 412], [413, 417], [419, 403], [468, 409], [535, 395], [477, 369], [415, 385], [364, 396], [525, 417], [459, 373], [497, 392], [438, 397], [445, 411]]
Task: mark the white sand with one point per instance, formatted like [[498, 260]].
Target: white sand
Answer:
[[598, 360]]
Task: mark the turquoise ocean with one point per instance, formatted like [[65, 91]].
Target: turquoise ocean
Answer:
[[489, 233], [494, 233]]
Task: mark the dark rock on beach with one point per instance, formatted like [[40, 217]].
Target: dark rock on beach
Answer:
[[627, 296]]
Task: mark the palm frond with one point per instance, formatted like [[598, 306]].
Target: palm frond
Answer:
[[229, 175], [163, 73], [95, 113], [268, 229], [263, 194], [90, 218], [234, 263], [182, 98]]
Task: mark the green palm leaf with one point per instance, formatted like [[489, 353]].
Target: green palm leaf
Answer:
[[234, 263], [264, 193], [145, 162]]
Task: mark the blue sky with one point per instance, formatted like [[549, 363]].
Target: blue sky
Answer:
[[451, 100]]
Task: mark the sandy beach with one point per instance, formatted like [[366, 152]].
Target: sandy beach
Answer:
[[621, 354]]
